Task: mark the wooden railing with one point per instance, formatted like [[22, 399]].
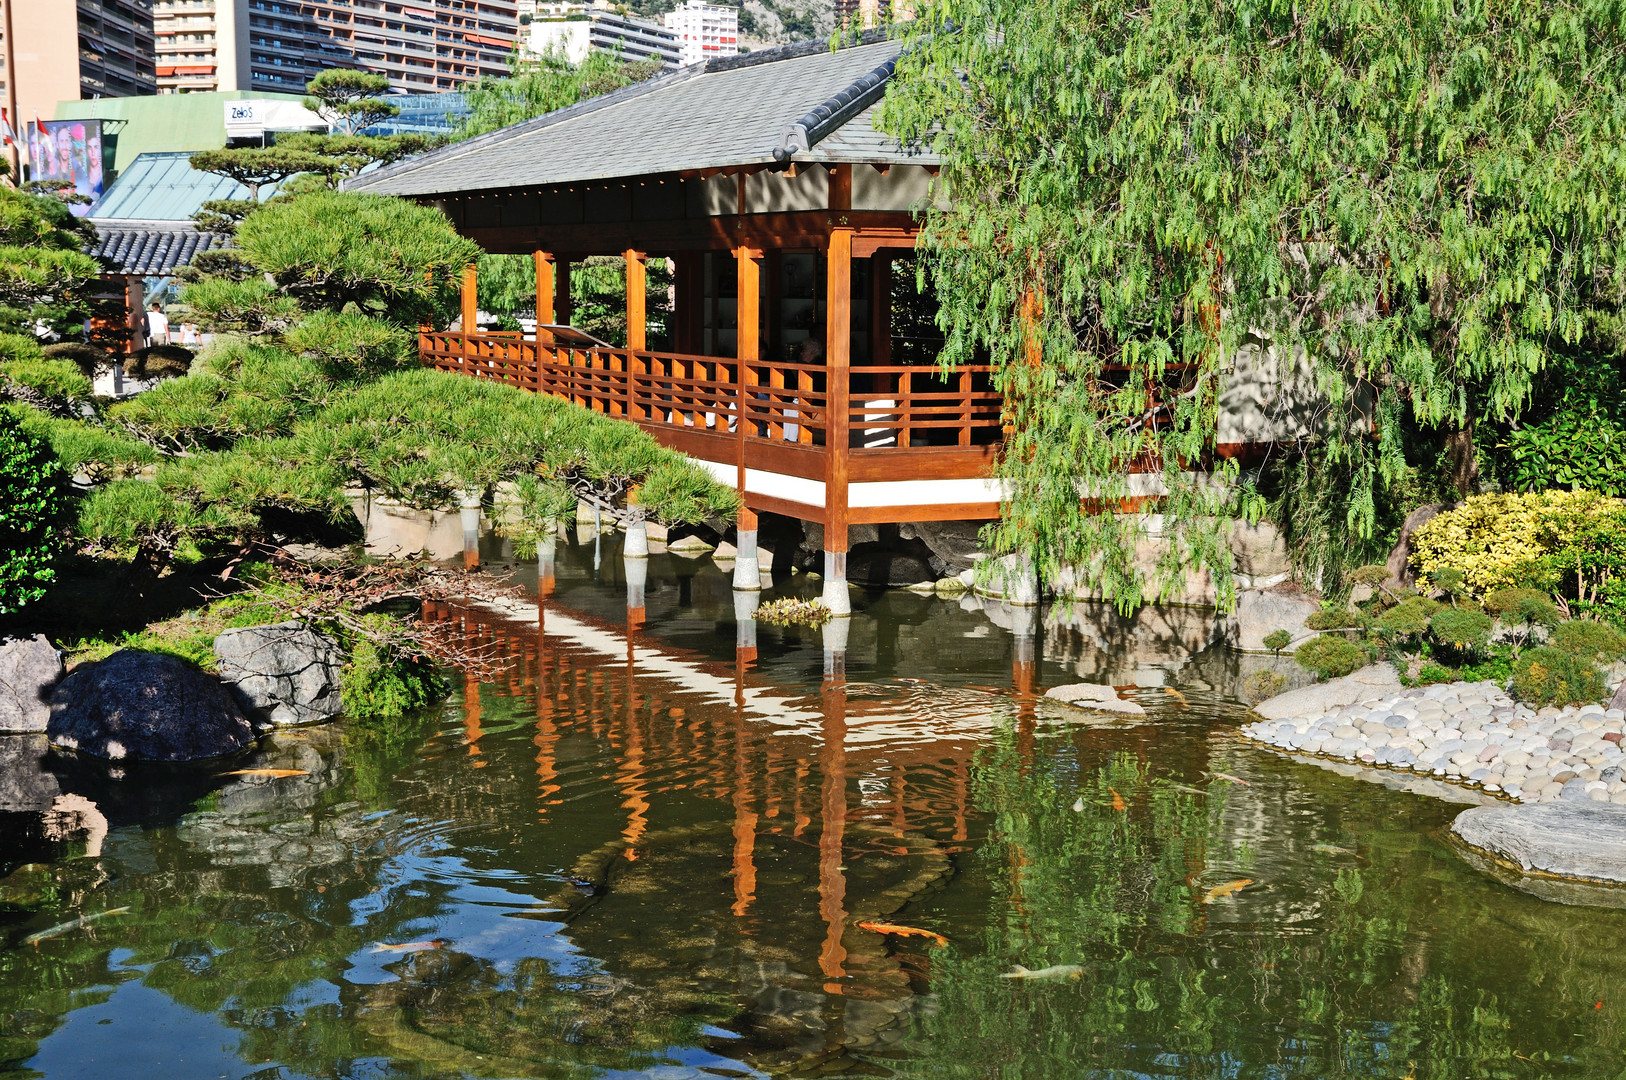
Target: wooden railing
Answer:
[[889, 407]]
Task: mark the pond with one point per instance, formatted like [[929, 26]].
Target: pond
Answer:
[[654, 846]]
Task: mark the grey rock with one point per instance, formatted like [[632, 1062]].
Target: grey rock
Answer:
[[147, 707], [1261, 612], [29, 668], [1400, 556], [1093, 696], [1612, 775], [1372, 681], [955, 543], [1572, 839], [1573, 790], [25, 782], [288, 671]]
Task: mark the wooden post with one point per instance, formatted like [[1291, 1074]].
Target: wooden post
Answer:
[[637, 298], [841, 187], [544, 296], [838, 416], [471, 308], [747, 354]]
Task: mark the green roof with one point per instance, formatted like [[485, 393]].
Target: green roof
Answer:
[[165, 187], [159, 122]]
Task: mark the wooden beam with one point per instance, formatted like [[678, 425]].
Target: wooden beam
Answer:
[[783, 229], [471, 300], [838, 372], [841, 187], [637, 299], [544, 295]]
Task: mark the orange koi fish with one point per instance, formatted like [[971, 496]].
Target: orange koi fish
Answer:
[[408, 946], [1117, 800], [1230, 779], [896, 930], [269, 774], [1230, 888]]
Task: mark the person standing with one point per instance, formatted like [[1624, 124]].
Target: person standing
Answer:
[[157, 326]]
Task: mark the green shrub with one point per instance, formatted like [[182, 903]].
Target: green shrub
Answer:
[[87, 358], [250, 306], [1263, 684], [1408, 619], [1498, 541], [20, 347], [1594, 641], [1464, 630], [352, 346], [1532, 607], [33, 497], [1333, 617], [52, 381], [1330, 656], [1549, 676], [1277, 640], [158, 362], [379, 682]]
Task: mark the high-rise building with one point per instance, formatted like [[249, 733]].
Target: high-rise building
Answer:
[[421, 46], [575, 30], [66, 50], [705, 31]]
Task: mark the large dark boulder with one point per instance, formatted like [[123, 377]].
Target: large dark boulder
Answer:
[[1400, 557], [147, 707], [29, 668], [894, 564], [288, 671]]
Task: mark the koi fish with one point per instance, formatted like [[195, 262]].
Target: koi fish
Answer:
[[1231, 779], [72, 924], [1184, 787], [408, 946], [269, 774], [1117, 800], [1230, 888], [896, 930], [1178, 696], [1078, 805], [1329, 849], [1053, 972]]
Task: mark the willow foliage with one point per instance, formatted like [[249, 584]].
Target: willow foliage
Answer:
[[1422, 198]]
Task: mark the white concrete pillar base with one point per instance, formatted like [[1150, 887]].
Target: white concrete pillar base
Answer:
[[636, 544], [836, 597]]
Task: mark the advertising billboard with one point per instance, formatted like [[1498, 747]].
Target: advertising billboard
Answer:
[[70, 152]]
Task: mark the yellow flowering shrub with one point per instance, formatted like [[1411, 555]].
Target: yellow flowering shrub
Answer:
[[1497, 540]]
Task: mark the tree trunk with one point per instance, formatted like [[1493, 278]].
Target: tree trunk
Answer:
[[1462, 459]]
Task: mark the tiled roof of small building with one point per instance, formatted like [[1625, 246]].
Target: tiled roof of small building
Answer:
[[149, 247], [803, 101]]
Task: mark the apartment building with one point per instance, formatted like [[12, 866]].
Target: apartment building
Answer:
[[577, 29], [68, 50], [704, 31], [422, 46]]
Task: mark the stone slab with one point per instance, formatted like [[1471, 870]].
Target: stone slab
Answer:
[[1584, 841], [1372, 681], [1093, 696]]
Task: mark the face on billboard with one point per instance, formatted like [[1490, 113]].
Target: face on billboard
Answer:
[[70, 151]]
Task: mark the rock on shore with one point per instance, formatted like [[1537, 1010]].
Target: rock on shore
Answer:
[[146, 707], [1565, 839], [1470, 733]]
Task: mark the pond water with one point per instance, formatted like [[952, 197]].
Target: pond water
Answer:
[[646, 851]]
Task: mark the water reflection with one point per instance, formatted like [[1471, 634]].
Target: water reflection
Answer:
[[651, 845]]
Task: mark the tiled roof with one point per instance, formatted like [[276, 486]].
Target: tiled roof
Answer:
[[149, 247], [165, 187], [735, 111]]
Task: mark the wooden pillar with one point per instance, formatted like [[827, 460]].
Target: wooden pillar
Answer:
[[747, 352], [544, 296], [561, 291], [833, 814], [838, 389], [471, 301], [637, 300]]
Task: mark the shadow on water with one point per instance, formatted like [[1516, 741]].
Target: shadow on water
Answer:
[[668, 841]]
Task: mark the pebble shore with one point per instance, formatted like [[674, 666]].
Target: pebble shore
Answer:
[[1473, 734]]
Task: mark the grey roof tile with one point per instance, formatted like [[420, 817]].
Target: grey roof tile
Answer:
[[732, 112], [149, 247]]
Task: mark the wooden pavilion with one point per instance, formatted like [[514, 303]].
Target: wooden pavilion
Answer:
[[782, 208]]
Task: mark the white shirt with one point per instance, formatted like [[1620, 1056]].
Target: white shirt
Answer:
[[158, 326]]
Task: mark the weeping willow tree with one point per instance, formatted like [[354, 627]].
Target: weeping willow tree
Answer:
[[1418, 199]]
